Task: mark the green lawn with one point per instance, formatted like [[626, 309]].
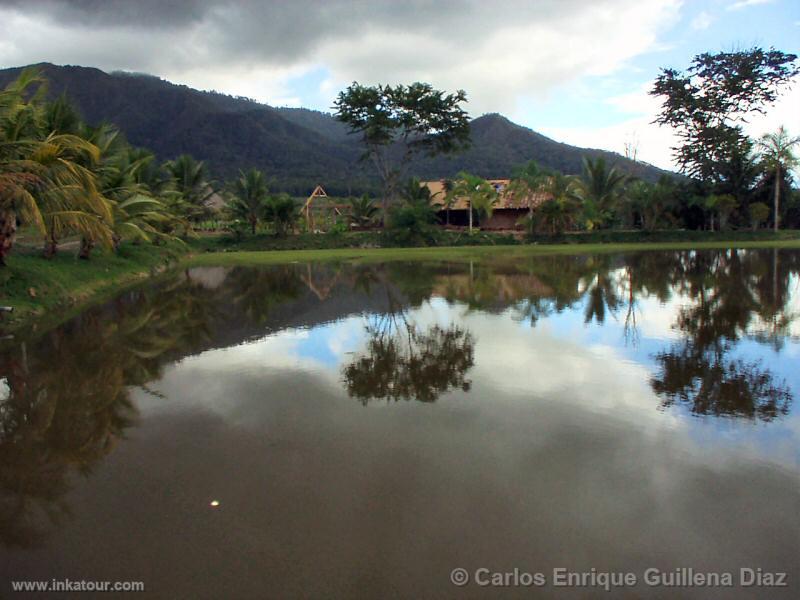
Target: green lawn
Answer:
[[44, 292], [460, 252]]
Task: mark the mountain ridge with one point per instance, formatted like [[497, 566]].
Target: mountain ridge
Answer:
[[298, 147]]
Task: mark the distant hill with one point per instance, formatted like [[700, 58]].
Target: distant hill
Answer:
[[296, 146]]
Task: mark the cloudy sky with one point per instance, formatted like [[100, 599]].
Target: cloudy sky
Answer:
[[577, 70]]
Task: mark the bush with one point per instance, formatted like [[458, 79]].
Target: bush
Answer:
[[411, 224]]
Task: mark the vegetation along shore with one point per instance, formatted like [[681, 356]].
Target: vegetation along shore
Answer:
[[84, 213]]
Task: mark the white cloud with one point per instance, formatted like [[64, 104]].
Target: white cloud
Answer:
[[499, 52], [745, 3], [655, 141], [701, 21], [515, 59]]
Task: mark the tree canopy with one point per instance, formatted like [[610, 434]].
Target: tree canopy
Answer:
[[397, 122], [708, 103]]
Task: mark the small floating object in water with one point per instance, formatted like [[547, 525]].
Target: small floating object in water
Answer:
[[214, 503]]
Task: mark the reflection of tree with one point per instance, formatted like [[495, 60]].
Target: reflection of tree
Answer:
[[601, 291], [68, 398], [57, 417], [730, 290], [256, 292], [404, 362], [713, 384]]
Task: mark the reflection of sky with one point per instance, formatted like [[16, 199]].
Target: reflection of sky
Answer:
[[595, 367], [328, 343], [655, 333]]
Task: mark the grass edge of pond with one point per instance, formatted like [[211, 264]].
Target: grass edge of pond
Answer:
[[456, 253], [66, 286]]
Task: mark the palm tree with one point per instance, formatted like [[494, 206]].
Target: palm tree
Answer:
[[45, 174], [362, 211], [190, 179], [282, 211], [19, 176], [480, 194], [448, 185], [598, 188], [414, 192], [557, 213], [250, 192], [70, 201], [777, 152]]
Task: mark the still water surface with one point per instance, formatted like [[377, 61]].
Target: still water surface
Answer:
[[361, 430]]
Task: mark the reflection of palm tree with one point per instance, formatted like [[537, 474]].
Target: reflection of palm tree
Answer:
[[68, 401], [601, 291], [772, 292], [258, 291], [60, 415]]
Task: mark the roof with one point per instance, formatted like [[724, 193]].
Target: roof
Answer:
[[506, 198]]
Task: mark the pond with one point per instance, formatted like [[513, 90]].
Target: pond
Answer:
[[361, 430]]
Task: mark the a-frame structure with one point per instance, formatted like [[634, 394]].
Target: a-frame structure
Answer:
[[318, 192]]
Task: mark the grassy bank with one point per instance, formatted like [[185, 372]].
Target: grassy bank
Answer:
[[254, 258], [375, 239], [338, 241], [45, 292]]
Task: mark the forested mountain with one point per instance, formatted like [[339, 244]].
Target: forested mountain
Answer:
[[296, 146]]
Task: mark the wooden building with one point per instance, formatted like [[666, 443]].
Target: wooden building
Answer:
[[508, 210]]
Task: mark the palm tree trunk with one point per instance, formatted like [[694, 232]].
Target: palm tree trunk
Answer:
[[777, 193], [8, 232], [469, 207], [87, 244], [253, 224], [50, 246]]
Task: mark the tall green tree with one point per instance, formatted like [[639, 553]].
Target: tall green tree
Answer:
[[397, 122], [777, 153], [707, 103]]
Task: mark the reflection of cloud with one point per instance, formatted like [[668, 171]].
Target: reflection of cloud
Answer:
[[561, 362], [209, 277]]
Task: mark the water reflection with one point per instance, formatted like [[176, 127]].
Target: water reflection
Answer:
[[404, 362], [69, 393]]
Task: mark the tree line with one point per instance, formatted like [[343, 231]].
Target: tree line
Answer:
[[730, 180], [65, 178]]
